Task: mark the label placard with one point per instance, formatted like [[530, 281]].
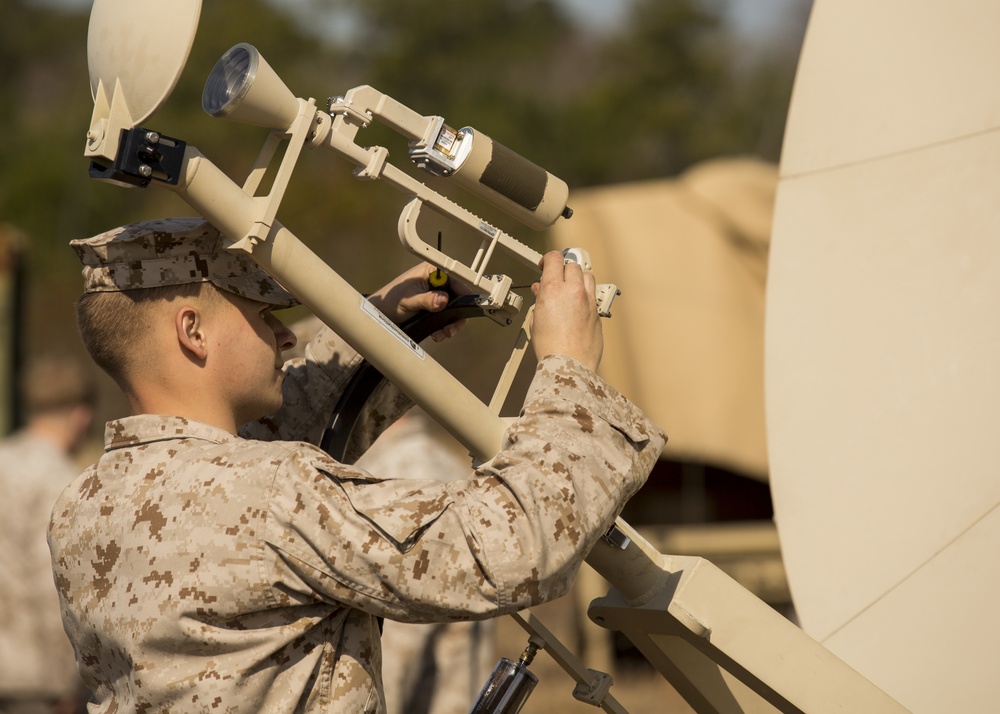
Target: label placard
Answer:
[[391, 327]]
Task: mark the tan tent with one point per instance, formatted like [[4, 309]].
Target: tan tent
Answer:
[[685, 340]]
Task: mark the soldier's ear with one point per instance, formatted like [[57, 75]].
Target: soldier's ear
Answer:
[[191, 337]]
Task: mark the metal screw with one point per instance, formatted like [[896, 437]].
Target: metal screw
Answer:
[[145, 170], [152, 137]]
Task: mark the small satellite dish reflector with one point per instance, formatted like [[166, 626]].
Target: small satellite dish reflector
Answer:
[[138, 48]]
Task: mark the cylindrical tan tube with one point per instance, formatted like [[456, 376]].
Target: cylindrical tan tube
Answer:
[[331, 298], [509, 181]]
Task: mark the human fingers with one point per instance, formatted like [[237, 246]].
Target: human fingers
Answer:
[[448, 331], [590, 284], [571, 267], [552, 265], [411, 303], [408, 294]]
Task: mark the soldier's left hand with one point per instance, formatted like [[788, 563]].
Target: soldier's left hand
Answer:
[[408, 294]]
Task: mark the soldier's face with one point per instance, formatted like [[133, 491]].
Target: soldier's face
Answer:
[[253, 343]]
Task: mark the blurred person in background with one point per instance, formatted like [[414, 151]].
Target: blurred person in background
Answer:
[[38, 672]]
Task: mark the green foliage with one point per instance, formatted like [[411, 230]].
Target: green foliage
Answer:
[[664, 91]]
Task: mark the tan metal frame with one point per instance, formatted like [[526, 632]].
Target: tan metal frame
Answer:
[[724, 650]]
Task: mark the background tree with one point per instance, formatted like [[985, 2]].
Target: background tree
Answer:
[[668, 87]]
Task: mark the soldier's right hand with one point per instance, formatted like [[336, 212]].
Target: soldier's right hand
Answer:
[[566, 321]]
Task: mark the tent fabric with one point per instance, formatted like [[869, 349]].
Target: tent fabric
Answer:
[[686, 336]]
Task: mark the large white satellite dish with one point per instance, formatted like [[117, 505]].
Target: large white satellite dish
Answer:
[[883, 345]]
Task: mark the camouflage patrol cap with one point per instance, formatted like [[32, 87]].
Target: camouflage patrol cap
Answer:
[[172, 251]]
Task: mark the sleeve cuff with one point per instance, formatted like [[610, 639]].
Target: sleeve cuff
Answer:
[[558, 377]]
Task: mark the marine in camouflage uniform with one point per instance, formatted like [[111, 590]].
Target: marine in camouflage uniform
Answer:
[[200, 570], [37, 670]]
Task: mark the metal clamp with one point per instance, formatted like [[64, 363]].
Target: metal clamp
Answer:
[[617, 538]]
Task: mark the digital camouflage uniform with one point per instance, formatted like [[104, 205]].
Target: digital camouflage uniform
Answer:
[[433, 668], [200, 571]]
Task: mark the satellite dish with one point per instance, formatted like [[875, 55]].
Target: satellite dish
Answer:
[[139, 48], [883, 345]]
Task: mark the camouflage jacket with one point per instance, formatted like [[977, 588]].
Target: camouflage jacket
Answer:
[[200, 571]]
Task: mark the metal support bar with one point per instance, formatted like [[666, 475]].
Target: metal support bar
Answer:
[[592, 686]]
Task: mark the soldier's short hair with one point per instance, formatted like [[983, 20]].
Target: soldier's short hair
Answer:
[[127, 269], [114, 324]]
